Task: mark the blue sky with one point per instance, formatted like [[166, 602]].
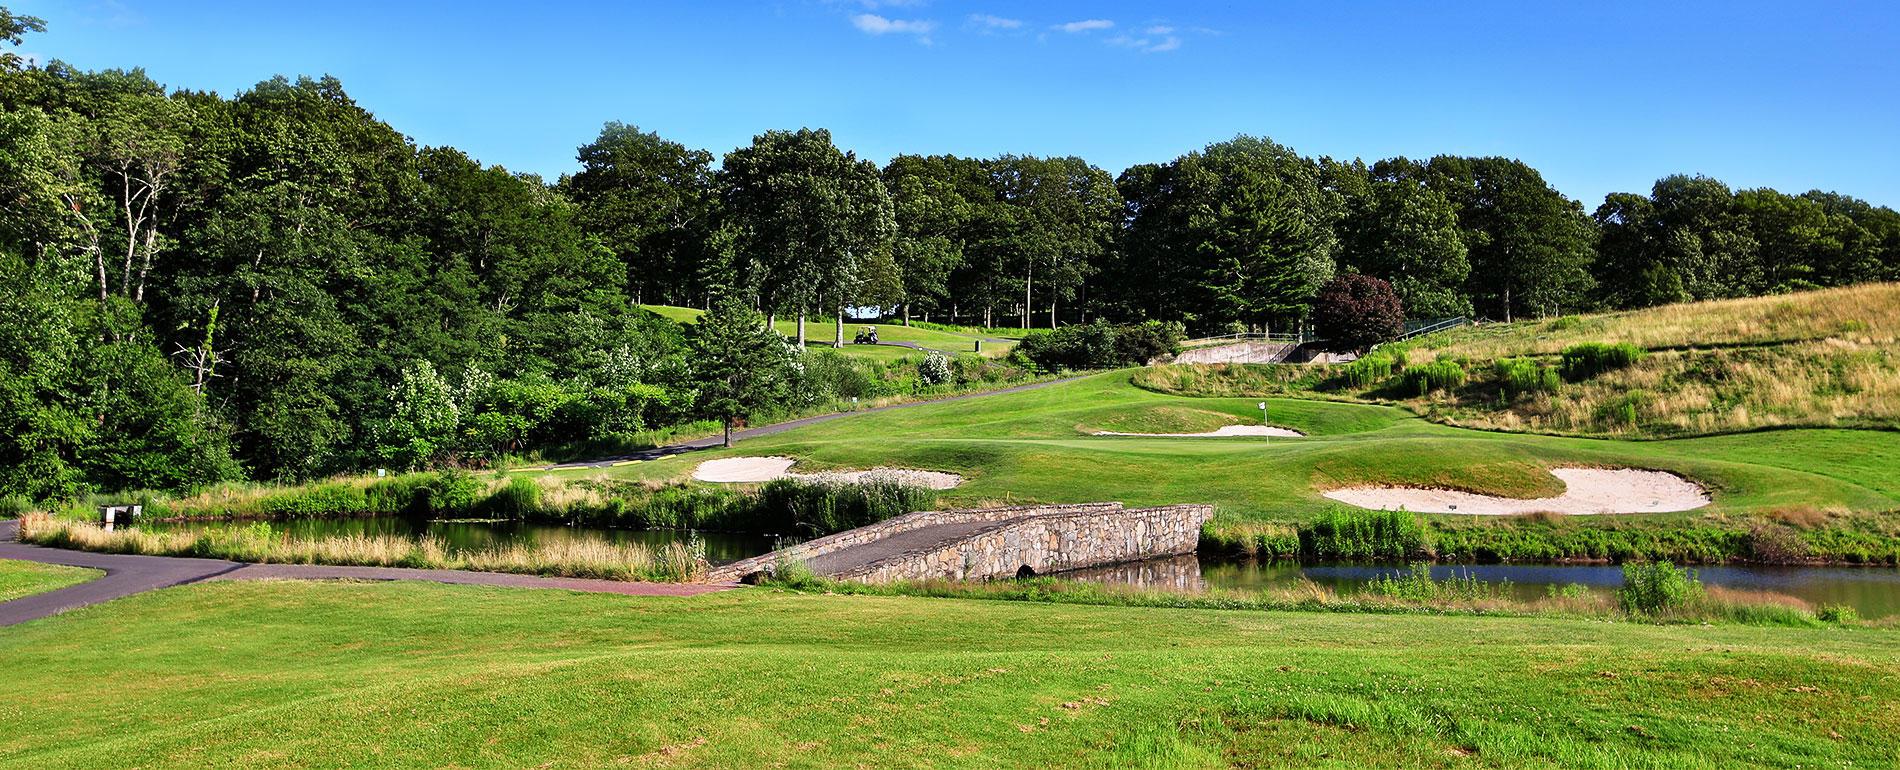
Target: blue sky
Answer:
[[1601, 97]]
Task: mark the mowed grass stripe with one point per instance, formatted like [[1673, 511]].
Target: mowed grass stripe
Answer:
[[304, 674]]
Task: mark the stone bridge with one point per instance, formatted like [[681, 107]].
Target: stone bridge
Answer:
[[988, 543]]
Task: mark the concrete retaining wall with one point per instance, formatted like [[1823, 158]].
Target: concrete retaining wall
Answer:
[[738, 570], [1259, 353], [1049, 542]]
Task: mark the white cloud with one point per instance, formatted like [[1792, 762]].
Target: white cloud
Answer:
[[878, 25], [1089, 25], [1145, 44], [994, 22], [1159, 30]]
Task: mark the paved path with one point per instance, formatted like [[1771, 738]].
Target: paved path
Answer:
[[767, 430], [897, 544], [127, 575]]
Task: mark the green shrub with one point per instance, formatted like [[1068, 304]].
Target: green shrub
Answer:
[[1437, 375], [1837, 613], [1625, 409], [934, 369], [1418, 585], [1352, 533], [1521, 376], [1370, 369], [1655, 587], [1567, 591], [15, 506], [445, 493], [1566, 322], [520, 498], [1589, 359]]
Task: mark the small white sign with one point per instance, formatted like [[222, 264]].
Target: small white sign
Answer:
[[1263, 405]]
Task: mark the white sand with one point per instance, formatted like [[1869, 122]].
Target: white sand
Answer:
[[752, 469], [1225, 430], [1591, 491]]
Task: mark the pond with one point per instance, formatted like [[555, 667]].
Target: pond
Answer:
[[1874, 592]]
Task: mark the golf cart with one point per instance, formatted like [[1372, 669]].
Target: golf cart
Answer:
[[867, 335]]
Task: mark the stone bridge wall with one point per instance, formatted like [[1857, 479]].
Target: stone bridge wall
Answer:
[[738, 570], [1050, 542]]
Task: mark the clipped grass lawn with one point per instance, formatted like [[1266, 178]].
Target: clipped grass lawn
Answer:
[[824, 333], [26, 578], [1037, 445], [295, 674]]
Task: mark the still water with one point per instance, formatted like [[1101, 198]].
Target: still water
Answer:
[[1872, 591]]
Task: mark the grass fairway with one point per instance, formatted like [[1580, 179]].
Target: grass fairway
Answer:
[[1038, 445], [293, 674], [25, 578], [824, 333]]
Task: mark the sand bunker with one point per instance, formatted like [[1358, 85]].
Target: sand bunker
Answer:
[[1591, 491], [1225, 430], [742, 469]]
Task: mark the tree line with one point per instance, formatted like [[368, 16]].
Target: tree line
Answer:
[[278, 285]]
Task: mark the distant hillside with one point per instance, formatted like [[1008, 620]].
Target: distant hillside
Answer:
[[1826, 358]]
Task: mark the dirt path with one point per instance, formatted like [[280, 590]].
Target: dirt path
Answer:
[[128, 574]]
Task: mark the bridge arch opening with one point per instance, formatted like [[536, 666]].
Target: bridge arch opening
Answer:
[[1025, 571]]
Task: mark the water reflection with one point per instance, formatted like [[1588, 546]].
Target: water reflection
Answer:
[[721, 547], [1872, 591]]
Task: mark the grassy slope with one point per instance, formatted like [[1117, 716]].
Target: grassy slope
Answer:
[[1036, 445], [25, 578], [816, 333], [1828, 358], [397, 674]]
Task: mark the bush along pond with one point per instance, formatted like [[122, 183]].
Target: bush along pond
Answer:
[[451, 519]]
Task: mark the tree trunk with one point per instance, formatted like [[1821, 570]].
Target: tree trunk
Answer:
[[771, 321], [1029, 286], [1052, 311], [838, 340], [1507, 303], [801, 327], [907, 315], [728, 432]]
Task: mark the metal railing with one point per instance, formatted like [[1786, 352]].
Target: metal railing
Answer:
[[1435, 326]]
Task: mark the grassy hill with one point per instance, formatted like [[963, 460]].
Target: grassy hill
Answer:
[[296, 674], [935, 337], [1039, 445], [1828, 358]]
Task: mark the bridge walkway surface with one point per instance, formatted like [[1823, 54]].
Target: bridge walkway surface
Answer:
[[988, 543], [892, 546]]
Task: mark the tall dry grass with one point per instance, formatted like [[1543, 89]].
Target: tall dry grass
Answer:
[[259, 543], [1827, 358]]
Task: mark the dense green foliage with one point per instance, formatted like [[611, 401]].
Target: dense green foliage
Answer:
[[1589, 359], [1352, 533], [1653, 587], [1097, 345], [1443, 374], [277, 285]]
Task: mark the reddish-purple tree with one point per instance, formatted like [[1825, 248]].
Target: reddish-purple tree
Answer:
[[1355, 312]]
